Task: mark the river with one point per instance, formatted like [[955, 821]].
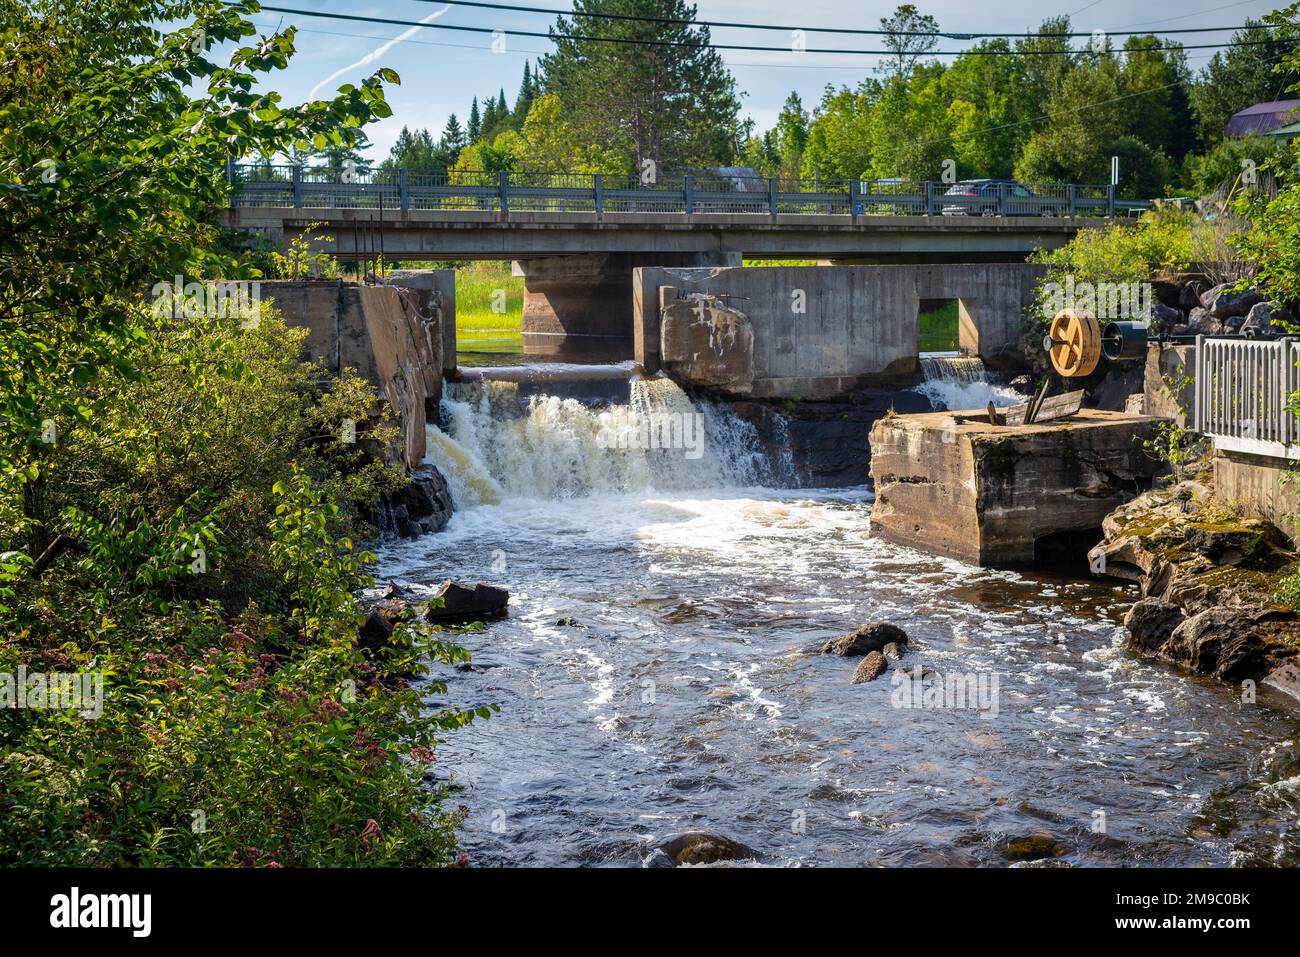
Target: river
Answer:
[[659, 672]]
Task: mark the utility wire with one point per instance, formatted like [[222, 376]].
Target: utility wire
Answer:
[[731, 24], [717, 46]]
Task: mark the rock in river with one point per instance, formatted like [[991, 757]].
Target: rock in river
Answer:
[[866, 639], [699, 848], [465, 603], [870, 668]]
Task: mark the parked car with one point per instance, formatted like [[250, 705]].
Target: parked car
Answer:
[[995, 197]]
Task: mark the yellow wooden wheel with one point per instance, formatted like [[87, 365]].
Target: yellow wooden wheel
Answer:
[[1074, 343]]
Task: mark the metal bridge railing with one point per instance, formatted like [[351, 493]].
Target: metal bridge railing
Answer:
[[1242, 394], [286, 186]]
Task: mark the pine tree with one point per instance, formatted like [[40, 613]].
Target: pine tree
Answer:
[[524, 102], [489, 117], [673, 102], [453, 137], [475, 129]]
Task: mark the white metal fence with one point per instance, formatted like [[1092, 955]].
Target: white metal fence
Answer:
[[1243, 390]]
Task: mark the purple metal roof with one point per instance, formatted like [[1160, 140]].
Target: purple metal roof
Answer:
[[1262, 117]]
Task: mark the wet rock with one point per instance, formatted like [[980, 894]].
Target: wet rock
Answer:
[[700, 848], [1285, 678], [1224, 302], [870, 668], [375, 631], [422, 505], [1150, 622], [894, 650], [567, 622], [1032, 847], [1224, 642], [460, 602], [866, 639], [394, 590]]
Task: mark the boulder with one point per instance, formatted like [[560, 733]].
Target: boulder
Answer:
[[894, 651], [1189, 295], [865, 640], [1224, 642], [699, 848], [467, 603], [422, 505], [375, 631], [1163, 317], [871, 667], [1224, 302], [1150, 622], [1265, 318], [1201, 323]]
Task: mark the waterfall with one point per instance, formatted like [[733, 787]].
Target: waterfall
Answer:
[[960, 383], [492, 444], [952, 368]]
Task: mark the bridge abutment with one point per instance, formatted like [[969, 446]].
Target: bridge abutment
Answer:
[[580, 307]]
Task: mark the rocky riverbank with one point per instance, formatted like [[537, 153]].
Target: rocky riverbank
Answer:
[[1209, 578]]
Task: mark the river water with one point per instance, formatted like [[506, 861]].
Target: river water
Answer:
[[659, 673]]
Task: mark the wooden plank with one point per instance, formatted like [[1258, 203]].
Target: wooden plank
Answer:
[[1057, 407]]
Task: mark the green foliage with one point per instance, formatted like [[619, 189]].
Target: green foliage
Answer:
[[303, 259], [1222, 167], [177, 505], [1244, 74], [1120, 252]]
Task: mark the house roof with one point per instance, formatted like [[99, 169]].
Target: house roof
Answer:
[[1261, 118]]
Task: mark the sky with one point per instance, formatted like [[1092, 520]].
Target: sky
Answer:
[[442, 70]]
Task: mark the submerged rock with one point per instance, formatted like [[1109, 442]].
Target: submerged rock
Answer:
[[865, 640], [870, 668], [462, 602], [699, 848], [1032, 847]]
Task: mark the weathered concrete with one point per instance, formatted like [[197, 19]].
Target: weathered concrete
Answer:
[[1265, 487], [823, 331], [435, 291], [580, 307], [994, 495], [377, 331], [705, 343], [485, 234], [1168, 364]]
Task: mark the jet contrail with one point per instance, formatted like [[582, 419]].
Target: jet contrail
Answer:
[[374, 55]]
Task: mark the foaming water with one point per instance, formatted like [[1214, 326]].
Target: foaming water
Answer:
[[961, 383], [551, 447], [659, 672]]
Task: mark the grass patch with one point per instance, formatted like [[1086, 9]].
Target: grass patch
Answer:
[[937, 326]]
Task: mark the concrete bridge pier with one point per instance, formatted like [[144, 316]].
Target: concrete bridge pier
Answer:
[[580, 307]]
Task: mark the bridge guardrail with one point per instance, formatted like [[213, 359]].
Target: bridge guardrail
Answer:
[[288, 186]]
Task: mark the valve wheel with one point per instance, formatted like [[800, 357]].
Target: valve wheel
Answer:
[[1074, 343]]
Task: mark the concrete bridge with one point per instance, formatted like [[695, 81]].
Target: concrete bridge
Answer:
[[576, 238]]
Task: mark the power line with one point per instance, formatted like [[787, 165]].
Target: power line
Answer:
[[635, 41], [731, 24], [541, 53]]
